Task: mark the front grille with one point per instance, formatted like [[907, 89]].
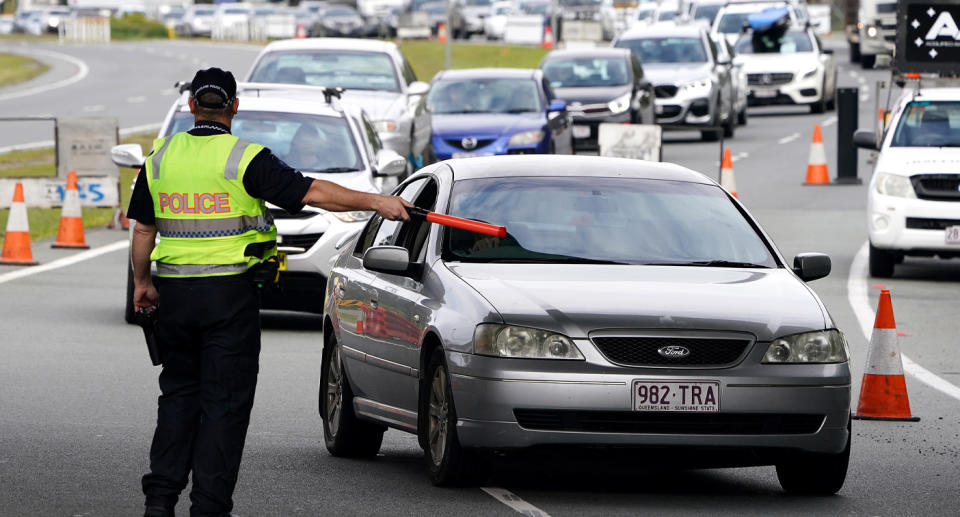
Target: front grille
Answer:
[[938, 187], [923, 223], [458, 143], [769, 79], [305, 241], [279, 213], [642, 351], [665, 91], [667, 423], [670, 111]]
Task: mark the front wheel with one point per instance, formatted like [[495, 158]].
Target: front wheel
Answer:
[[821, 105], [815, 474], [881, 262], [343, 433], [448, 462], [742, 117]]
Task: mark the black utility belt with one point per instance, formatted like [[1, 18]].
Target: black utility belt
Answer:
[[268, 271]]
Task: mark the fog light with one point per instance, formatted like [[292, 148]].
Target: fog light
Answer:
[[700, 108], [880, 222]]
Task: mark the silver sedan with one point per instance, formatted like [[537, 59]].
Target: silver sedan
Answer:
[[630, 304]]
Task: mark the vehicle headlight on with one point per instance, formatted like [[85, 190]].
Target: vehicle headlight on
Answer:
[[352, 217], [872, 31], [825, 346], [385, 126], [527, 137], [620, 104], [809, 73], [701, 87], [894, 185], [498, 340]]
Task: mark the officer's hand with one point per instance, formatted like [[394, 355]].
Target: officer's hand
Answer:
[[393, 208], [145, 297]]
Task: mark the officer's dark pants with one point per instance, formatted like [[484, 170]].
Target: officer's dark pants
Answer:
[[210, 334]]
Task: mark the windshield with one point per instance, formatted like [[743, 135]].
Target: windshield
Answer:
[[333, 68], [760, 43], [204, 12], [236, 11], [645, 14], [707, 12], [586, 71], [666, 50], [340, 11], [535, 8], [484, 96], [665, 16], [308, 143], [929, 124], [474, 3], [731, 23], [591, 219]]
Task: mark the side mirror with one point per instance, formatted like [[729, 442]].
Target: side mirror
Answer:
[[418, 88], [389, 163], [127, 155], [865, 139], [557, 105], [811, 266], [724, 61], [828, 51], [386, 259]]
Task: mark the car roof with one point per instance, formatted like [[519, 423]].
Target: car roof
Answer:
[[749, 7], [368, 45], [660, 30], [488, 73], [588, 52], [282, 102], [546, 165], [935, 94]]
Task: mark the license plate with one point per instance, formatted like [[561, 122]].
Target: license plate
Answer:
[[765, 94], [470, 155], [281, 261], [676, 396], [953, 235], [581, 131]]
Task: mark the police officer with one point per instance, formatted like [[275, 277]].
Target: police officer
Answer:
[[203, 191]]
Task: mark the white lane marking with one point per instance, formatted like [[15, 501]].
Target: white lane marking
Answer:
[[94, 108], [854, 73], [64, 262], [862, 80], [789, 138], [167, 54], [860, 303], [739, 156], [829, 121], [514, 502], [49, 143], [166, 92], [195, 60], [143, 128], [82, 71], [136, 100]]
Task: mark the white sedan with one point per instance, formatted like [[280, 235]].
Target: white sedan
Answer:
[[794, 69]]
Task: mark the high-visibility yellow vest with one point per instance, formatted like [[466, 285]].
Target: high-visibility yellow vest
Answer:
[[208, 224]]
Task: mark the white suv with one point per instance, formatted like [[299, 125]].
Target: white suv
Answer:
[[275, 116], [914, 198]]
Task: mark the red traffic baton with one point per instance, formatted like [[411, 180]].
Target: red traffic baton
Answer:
[[459, 222]]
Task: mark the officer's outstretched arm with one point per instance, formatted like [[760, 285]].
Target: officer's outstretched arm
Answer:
[[144, 238], [330, 196]]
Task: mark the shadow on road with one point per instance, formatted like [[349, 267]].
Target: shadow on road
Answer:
[[925, 269], [781, 111], [280, 320]]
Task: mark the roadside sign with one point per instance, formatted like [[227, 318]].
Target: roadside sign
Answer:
[[928, 38], [83, 145], [95, 191], [637, 141]]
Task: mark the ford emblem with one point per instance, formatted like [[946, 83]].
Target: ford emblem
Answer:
[[674, 351], [469, 143]]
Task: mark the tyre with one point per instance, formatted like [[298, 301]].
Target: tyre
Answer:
[[881, 262], [821, 105], [709, 135], [867, 62], [815, 474], [832, 103], [343, 433], [742, 117], [730, 126], [128, 308], [448, 462], [854, 52]]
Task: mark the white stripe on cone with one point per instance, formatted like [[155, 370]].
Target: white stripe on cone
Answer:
[[727, 181], [71, 204], [17, 222], [817, 155], [884, 355]]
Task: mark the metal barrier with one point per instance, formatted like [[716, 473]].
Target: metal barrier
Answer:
[[88, 29], [274, 26], [579, 30], [415, 25], [523, 30]]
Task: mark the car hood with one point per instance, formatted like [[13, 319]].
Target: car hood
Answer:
[[795, 63], [676, 72], [576, 299], [591, 94], [485, 124], [377, 103], [907, 161]]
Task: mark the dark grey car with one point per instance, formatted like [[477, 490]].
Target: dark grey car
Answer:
[[631, 304]]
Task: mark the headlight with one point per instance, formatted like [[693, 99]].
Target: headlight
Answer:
[[826, 346], [620, 104], [872, 31], [526, 138], [508, 341], [809, 73], [352, 217], [385, 126], [696, 87], [893, 185]]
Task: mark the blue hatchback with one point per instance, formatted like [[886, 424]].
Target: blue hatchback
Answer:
[[488, 111]]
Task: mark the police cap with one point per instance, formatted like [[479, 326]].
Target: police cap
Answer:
[[213, 88]]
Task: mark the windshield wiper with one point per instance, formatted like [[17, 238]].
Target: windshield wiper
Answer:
[[337, 169], [460, 112], [520, 110], [557, 260], [710, 263]]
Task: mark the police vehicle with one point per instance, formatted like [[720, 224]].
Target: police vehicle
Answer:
[[313, 132]]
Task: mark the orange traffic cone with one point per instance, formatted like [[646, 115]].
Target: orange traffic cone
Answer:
[[817, 164], [70, 234], [16, 242], [548, 38], [727, 180], [883, 392], [442, 32]]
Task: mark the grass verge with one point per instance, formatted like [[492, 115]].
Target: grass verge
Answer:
[[427, 57], [40, 162], [17, 69]]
